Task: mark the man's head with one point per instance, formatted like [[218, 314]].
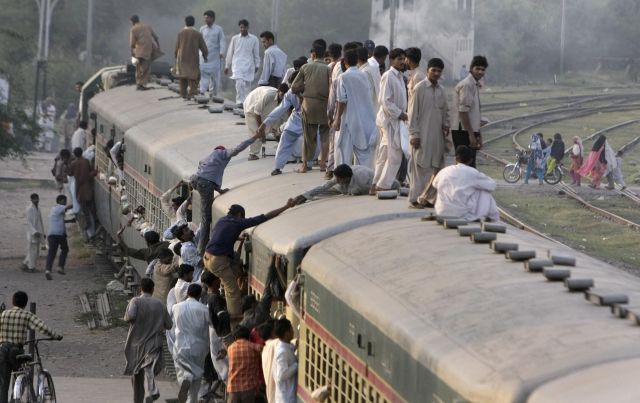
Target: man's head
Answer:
[[78, 86], [318, 47], [185, 272], [299, 62], [61, 200], [65, 154], [244, 27], [397, 59], [343, 174], [77, 152], [35, 199], [283, 88], [134, 19], [176, 202], [293, 76], [351, 58], [242, 332], [434, 69], [265, 330], [267, 39], [335, 51], [248, 302], [183, 233], [189, 21], [464, 155], [194, 291], [478, 67], [413, 57], [165, 256], [83, 124], [211, 281], [209, 17], [619, 154], [152, 237], [380, 53], [236, 210], [20, 299], [146, 285], [283, 330], [363, 55], [370, 46], [557, 136]]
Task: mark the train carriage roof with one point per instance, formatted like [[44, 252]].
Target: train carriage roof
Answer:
[[487, 328]]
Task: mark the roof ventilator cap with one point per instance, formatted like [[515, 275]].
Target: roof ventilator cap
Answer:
[[218, 100], [603, 298], [468, 230], [201, 99], [429, 217], [563, 260], [454, 223], [387, 194], [578, 284], [215, 109], [622, 310], [520, 255], [493, 227], [483, 237], [441, 218], [404, 191], [228, 107], [556, 274], [536, 265], [502, 247]]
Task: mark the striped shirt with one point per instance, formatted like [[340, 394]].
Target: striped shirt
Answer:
[[15, 322]]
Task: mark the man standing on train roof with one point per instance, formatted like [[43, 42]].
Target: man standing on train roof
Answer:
[[187, 67], [145, 48], [243, 60], [380, 54], [274, 63], [428, 128], [465, 192], [208, 178], [312, 83], [392, 114], [216, 43], [466, 108], [413, 70], [35, 234], [258, 105], [219, 252], [355, 120]]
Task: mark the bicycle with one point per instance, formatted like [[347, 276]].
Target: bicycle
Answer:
[[513, 172], [21, 386]]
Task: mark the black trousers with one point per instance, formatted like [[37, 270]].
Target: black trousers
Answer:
[[8, 352]]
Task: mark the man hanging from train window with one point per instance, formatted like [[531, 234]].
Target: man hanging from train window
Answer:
[[208, 178], [219, 252], [152, 251], [465, 192]]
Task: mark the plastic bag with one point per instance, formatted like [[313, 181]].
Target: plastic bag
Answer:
[[404, 138]]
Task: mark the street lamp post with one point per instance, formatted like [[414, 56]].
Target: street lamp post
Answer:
[[45, 10], [562, 28]]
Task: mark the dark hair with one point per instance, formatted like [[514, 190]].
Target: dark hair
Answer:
[[178, 200], [208, 278], [351, 57], [265, 329], [81, 83], [349, 46], [189, 21], [299, 62], [293, 76], [281, 327], [248, 302], [380, 51], [177, 249], [479, 61], [268, 35], [435, 62], [184, 269], [242, 332], [319, 47], [20, 299], [210, 13], [397, 52], [152, 237], [135, 19], [243, 22], [146, 284], [413, 54], [61, 199], [557, 136], [283, 87], [178, 231], [194, 290], [77, 152], [236, 209], [599, 143], [83, 124], [343, 171], [363, 54], [335, 50], [464, 154], [164, 253], [34, 195]]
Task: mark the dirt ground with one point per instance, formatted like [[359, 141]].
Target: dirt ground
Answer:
[[82, 352]]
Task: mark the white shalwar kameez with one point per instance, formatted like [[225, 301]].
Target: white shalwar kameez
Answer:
[[357, 133], [191, 345], [465, 192], [35, 235], [210, 70], [393, 102], [243, 57]]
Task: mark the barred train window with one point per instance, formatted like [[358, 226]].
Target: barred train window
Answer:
[[322, 364]]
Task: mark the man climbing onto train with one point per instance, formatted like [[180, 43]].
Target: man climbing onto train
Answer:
[[208, 178]]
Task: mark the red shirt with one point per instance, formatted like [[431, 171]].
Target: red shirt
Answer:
[[245, 366]]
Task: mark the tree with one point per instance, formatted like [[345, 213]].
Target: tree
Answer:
[[17, 132]]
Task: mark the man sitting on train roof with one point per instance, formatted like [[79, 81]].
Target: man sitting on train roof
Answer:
[[347, 180], [219, 252], [208, 178], [465, 192]]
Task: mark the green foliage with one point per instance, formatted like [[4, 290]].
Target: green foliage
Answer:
[[17, 132]]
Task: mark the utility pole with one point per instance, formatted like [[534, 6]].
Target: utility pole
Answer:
[[392, 22], [88, 61], [45, 10], [562, 29], [275, 14]]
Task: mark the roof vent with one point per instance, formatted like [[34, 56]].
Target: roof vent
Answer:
[[483, 237], [536, 265], [502, 247], [622, 310], [556, 274], [492, 227], [468, 230], [604, 298], [215, 109], [218, 100], [563, 260], [441, 218], [387, 194], [578, 284], [454, 223], [520, 255]]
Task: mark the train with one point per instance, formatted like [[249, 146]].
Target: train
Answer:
[[395, 304]]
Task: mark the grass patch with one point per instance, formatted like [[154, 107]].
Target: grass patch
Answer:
[[118, 303]]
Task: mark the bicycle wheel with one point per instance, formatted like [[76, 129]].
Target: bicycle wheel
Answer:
[[511, 173], [554, 177], [46, 390], [23, 390]]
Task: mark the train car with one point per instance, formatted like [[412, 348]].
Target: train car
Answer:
[[406, 311]]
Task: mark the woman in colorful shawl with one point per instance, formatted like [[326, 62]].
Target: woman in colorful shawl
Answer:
[[536, 159], [596, 164], [576, 160]]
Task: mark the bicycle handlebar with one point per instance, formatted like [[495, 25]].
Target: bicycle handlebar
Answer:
[[42, 339]]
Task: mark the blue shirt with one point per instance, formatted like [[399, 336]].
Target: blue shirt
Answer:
[[56, 220], [212, 167], [226, 232], [294, 123]]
